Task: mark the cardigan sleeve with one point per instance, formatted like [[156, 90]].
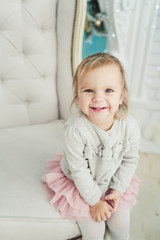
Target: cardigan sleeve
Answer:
[[78, 166], [122, 177]]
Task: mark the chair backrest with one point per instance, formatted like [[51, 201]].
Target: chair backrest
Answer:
[[69, 49], [35, 60]]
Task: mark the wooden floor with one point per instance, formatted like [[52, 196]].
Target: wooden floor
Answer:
[[145, 217]]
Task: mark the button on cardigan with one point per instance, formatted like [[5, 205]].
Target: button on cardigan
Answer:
[[97, 160]]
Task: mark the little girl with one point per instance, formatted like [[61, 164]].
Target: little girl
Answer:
[[93, 181]]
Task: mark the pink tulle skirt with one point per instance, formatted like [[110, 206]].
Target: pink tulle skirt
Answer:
[[64, 195]]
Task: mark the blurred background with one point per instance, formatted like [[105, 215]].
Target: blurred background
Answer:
[[130, 29]]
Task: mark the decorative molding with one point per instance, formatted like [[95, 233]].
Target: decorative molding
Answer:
[[81, 7]]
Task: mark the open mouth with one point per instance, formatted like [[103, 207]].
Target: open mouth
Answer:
[[97, 109]]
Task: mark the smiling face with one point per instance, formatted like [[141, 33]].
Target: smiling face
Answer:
[[100, 94]]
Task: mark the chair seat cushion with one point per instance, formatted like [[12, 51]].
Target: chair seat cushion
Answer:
[[24, 152]]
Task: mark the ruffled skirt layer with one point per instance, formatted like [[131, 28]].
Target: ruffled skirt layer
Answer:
[[64, 195]]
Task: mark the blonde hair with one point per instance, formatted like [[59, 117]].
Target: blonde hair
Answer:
[[97, 60]]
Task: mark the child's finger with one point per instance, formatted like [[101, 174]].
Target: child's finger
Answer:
[[111, 196], [108, 214], [110, 208], [111, 203]]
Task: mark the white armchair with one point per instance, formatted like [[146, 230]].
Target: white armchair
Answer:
[[37, 54]]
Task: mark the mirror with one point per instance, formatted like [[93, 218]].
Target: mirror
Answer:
[[95, 31]]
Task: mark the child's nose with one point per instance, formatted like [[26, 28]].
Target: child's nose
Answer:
[[98, 97]]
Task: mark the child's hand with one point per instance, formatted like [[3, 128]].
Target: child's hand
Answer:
[[113, 198], [101, 211]]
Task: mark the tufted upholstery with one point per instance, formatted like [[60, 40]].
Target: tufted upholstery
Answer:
[[35, 92], [27, 45], [30, 40]]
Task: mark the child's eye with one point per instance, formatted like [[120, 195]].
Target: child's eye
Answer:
[[108, 90], [88, 90]]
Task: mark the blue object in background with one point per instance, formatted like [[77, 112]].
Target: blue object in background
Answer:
[[97, 44]]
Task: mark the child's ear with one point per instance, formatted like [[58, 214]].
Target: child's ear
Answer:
[[122, 96]]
